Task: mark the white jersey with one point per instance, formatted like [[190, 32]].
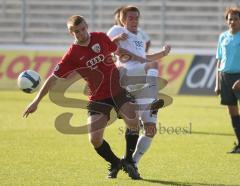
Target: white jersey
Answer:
[[134, 44], [145, 36]]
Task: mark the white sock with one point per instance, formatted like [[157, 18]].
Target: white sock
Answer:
[[142, 146], [152, 72]]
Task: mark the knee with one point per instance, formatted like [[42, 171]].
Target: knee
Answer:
[[128, 113], [131, 114], [233, 110], [95, 141], [153, 65], [133, 124], [150, 131]]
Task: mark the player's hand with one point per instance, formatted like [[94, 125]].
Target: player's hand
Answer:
[[123, 54], [166, 49], [122, 37], [32, 107], [236, 85], [217, 90]]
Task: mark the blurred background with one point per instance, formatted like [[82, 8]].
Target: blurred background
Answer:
[[194, 133], [33, 33], [183, 23]]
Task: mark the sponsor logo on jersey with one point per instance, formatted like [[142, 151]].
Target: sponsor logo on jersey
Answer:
[[56, 68], [96, 48], [82, 57], [139, 44], [93, 61], [226, 41]]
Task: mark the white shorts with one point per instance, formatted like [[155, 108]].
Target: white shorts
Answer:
[[144, 100], [133, 77], [135, 69]]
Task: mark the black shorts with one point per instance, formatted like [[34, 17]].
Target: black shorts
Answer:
[[228, 96], [105, 106]]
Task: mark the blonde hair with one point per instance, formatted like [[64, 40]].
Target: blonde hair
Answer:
[[74, 21], [116, 14]]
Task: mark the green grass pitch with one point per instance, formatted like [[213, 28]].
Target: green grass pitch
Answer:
[[190, 148]]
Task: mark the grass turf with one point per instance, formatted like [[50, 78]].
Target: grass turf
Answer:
[[190, 147]]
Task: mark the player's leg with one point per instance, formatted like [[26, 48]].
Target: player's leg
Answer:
[[152, 74], [132, 131], [127, 111], [131, 137], [97, 122], [235, 119], [153, 80], [149, 120], [230, 99], [144, 141], [128, 165], [144, 99]]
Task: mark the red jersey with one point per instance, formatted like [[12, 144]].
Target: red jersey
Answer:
[[94, 63]]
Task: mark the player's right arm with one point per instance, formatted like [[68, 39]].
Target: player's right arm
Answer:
[[117, 34], [32, 107], [217, 84], [218, 57], [120, 37], [62, 70]]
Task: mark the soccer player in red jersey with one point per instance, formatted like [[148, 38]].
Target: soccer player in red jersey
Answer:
[[90, 56]]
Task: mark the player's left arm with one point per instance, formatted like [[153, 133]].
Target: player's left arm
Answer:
[[147, 46], [158, 55], [116, 35]]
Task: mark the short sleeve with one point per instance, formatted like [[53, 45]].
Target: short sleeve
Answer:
[[114, 31], [65, 66], [112, 47], [219, 48]]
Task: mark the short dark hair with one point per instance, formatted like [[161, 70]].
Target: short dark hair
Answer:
[[232, 10]]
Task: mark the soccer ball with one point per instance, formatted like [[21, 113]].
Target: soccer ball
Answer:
[[28, 81]]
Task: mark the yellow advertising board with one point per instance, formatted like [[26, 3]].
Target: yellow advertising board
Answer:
[[173, 68], [13, 62]]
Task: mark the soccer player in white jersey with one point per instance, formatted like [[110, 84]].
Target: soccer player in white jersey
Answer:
[[144, 35], [128, 38], [146, 39]]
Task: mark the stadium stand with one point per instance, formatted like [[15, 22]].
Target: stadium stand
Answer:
[[182, 23]]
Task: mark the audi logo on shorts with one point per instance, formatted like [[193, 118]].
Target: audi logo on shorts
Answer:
[[92, 62]]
